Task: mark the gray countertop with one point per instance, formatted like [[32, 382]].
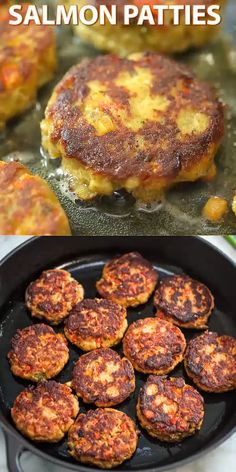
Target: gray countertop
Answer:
[[222, 458]]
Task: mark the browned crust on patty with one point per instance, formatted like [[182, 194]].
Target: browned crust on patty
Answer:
[[36, 38], [104, 437], [53, 295], [154, 346], [169, 409], [95, 323], [117, 154], [38, 353], [210, 361], [103, 378], [129, 280], [45, 412], [27, 61], [184, 301], [28, 206]]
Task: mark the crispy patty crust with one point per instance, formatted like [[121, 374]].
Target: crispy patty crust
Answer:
[[154, 346], [128, 280], [169, 409], [95, 323], [52, 296], [234, 204], [28, 206], [104, 438], [38, 353], [184, 301], [103, 378], [124, 40], [27, 61], [141, 123], [45, 412], [210, 361]]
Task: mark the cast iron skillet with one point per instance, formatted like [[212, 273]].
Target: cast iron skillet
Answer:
[[84, 257]]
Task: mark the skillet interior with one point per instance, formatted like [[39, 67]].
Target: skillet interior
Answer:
[[118, 215], [84, 257]]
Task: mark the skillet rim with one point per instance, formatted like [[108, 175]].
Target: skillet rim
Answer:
[[11, 432], [199, 238]]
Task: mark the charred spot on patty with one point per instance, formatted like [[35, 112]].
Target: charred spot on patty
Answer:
[[169, 409], [45, 412], [28, 205], [27, 61], [52, 296], [38, 353], [154, 346], [184, 301], [142, 123], [128, 280], [210, 361], [104, 438], [103, 378], [95, 323]]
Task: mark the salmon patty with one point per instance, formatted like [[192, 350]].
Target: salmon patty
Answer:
[[210, 362], [128, 280], [104, 438], [183, 301], [143, 124], [123, 39], [38, 353], [103, 378], [52, 296], [96, 323], [169, 409], [28, 206], [45, 412], [154, 346], [27, 61]]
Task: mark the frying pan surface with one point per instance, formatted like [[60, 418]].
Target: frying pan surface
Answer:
[[84, 258], [180, 213]]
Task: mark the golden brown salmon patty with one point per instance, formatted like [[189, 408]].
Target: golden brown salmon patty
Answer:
[[28, 206], [128, 280], [45, 412], [234, 204], [169, 409], [104, 438], [210, 361], [184, 301], [95, 323], [123, 39], [103, 378], [38, 353], [52, 296], [27, 61], [154, 346], [141, 123]]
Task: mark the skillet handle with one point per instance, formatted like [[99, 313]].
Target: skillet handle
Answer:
[[14, 451]]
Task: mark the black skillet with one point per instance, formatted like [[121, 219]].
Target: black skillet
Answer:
[[84, 257]]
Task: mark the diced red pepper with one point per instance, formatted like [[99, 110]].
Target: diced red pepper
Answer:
[[10, 75]]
